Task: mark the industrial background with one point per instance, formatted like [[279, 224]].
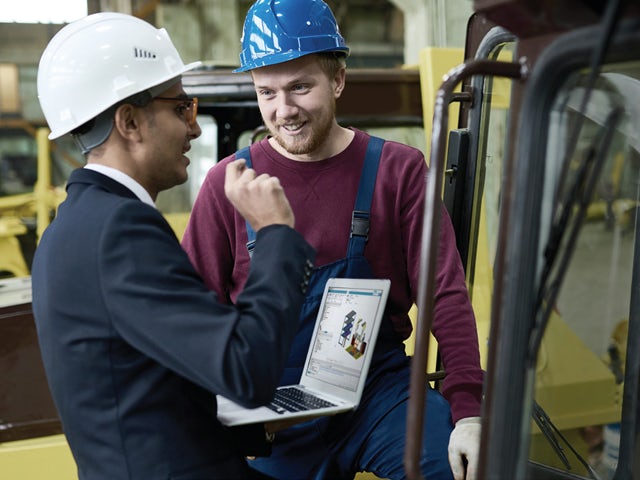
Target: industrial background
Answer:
[[380, 33]]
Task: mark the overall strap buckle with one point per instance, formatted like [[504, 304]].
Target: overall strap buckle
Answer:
[[360, 224]]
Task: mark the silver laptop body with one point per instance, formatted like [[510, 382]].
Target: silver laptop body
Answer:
[[338, 358]]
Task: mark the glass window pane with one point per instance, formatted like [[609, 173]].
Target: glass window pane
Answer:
[[581, 359]]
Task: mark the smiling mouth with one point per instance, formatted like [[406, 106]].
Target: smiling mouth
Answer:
[[293, 127]]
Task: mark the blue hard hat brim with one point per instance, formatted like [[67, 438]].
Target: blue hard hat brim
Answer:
[[281, 57]]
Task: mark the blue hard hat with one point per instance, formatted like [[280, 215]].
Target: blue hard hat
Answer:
[[277, 31]]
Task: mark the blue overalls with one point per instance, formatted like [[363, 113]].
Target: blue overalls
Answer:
[[372, 437]]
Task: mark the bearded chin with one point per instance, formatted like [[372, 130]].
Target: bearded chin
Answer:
[[299, 146], [309, 143], [306, 144]]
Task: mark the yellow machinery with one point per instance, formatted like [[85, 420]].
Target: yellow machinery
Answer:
[[30, 209], [12, 261], [44, 458]]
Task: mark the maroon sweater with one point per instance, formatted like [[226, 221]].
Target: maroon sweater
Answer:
[[322, 195]]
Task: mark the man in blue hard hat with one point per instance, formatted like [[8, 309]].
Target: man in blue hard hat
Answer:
[[338, 179]]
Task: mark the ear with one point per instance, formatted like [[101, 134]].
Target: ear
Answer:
[[339, 82], [127, 121]]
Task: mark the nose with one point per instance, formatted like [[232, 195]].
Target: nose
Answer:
[[194, 130], [286, 107]]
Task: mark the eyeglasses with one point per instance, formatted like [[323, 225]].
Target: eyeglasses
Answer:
[[188, 108]]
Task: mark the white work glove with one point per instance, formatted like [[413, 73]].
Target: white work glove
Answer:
[[465, 442]]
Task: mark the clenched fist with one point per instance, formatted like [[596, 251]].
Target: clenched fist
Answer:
[[260, 199]]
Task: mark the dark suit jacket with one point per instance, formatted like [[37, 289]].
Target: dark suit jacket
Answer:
[[135, 346]]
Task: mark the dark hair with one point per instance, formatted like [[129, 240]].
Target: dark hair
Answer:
[[95, 132]]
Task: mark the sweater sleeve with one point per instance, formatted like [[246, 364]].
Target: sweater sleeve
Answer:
[[454, 328], [454, 325], [211, 235]]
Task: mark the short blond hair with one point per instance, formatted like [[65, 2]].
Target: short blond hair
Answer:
[[332, 62]]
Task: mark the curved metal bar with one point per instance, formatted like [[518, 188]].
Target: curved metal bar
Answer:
[[430, 238]]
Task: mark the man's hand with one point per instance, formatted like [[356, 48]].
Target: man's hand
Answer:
[[464, 447], [260, 199]]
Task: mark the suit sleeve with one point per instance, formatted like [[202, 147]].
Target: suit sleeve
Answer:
[[159, 304]]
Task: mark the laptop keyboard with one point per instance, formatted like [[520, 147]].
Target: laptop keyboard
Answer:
[[291, 399]]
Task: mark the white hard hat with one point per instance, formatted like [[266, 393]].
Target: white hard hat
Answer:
[[94, 63]]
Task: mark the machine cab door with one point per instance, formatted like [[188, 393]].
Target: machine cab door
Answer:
[[541, 180]]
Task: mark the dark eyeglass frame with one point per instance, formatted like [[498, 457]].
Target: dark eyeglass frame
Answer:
[[191, 106]]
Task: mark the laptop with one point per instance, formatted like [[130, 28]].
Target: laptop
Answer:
[[338, 358]]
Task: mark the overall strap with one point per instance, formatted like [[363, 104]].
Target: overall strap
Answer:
[[360, 217], [251, 235]]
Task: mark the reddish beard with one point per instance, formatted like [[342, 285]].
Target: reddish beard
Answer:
[[306, 143]]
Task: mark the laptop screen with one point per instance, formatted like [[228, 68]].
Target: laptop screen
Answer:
[[341, 341]]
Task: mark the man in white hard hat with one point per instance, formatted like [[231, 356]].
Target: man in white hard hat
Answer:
[[135, 347], [359, 201]]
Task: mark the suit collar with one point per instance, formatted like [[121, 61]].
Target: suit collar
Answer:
[[85, 175], [117, 183], [124, 179]]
